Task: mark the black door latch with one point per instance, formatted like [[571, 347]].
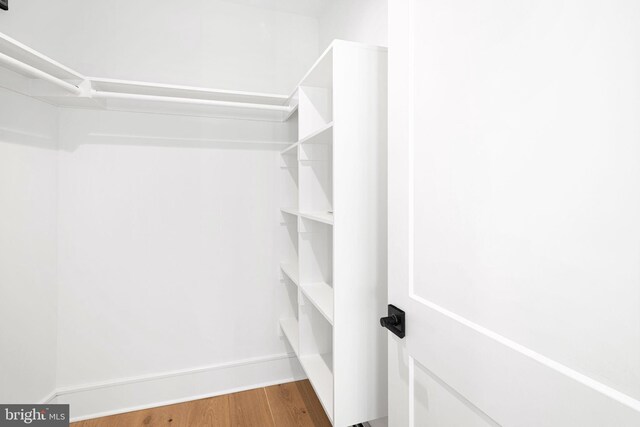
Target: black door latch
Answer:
[[394, 321]]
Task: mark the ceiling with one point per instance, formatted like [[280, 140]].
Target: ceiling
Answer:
[[301, 7]]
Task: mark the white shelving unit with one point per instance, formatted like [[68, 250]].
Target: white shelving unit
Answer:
[[333, 197]]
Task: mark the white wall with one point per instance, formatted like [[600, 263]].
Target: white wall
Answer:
[[28, 200], [36, 23], [211, 43], [166, 244], [363, 21]]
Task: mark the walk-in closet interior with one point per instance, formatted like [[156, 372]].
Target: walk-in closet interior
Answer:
[[193, 202]]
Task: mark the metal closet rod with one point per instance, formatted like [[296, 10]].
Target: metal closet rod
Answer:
[[34, 72], [39, 74]]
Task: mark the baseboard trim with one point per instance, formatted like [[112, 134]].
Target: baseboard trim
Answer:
[[48, 398], [148, 391]]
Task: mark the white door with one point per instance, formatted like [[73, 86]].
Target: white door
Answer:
[[514, 212]]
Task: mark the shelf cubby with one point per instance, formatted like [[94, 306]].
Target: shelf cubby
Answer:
[[289, 319], [289, 243], [319, 370], [323, 135], [315, 178], [315, 97], [316, 265], [316, 351], [315, 251], [316, 110], [289, 177]]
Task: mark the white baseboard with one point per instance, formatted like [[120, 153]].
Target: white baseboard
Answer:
[[132, 394], [50, 398]]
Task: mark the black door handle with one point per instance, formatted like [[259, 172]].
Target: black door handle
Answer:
[[394, 321]]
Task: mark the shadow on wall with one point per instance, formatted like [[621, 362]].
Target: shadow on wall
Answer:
[[79, 127], [26, 121], [20, 136], [52, 128]]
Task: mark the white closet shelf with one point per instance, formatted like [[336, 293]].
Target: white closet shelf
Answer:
[[324, 217], [289, 149], [291, 270], [324, 135], [321, 296], [290, 211], [290, 329], [321, 72], [317, 369]]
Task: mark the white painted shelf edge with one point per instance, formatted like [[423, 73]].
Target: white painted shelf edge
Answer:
[[327, 52], [291, 270], [289, 148], [320, 136], [290, 211], [320, 294], [324, 135], [321, 379], [315, 366], [324, 217], [290, 329]]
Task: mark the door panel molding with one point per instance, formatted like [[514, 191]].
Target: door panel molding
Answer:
[[478, 414], [563, 377]]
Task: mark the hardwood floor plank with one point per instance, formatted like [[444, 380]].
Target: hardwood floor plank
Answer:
[[286, 405], [212, 412], [250, 409], [289, 408]]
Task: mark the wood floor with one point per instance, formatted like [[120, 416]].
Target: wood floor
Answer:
[[292, 404]]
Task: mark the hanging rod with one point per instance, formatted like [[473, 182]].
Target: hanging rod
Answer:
[[39, 74], [192, 101], [47, 70]]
